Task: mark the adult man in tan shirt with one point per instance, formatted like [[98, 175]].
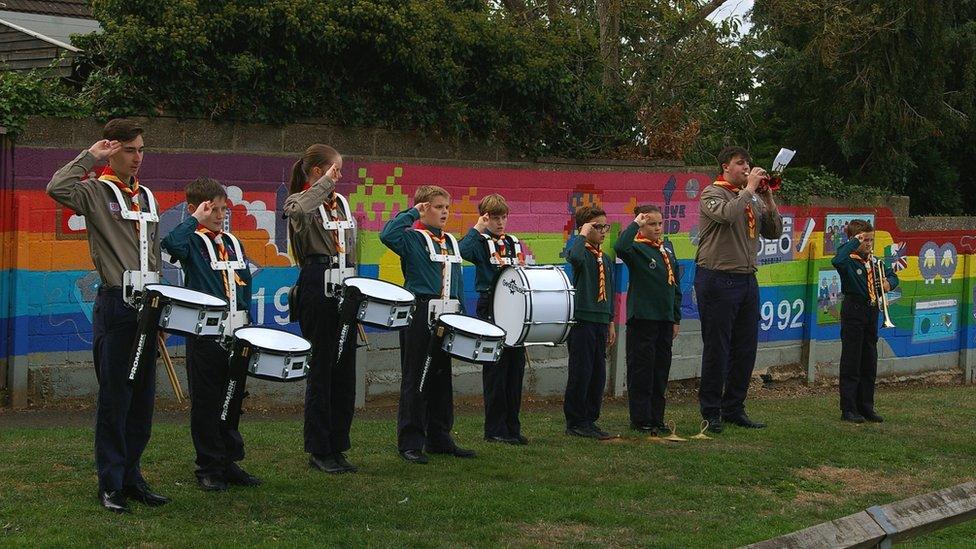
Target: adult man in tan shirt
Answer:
[[735, 211], [124, 414]]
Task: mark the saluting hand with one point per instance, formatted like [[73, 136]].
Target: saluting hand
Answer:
[[422, 207], [334, 173], [641, 219], [203, 210], [104, 149], [482, 223], [586, 228]]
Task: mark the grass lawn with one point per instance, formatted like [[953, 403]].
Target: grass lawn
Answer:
[[741, 487]]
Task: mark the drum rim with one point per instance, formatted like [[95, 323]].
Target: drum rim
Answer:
[[383, 300], [150, 289], [276, 352], [472, 334]]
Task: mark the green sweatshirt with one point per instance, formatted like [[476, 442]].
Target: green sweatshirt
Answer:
[[186, 247], [649, 296], [586, 280], [853, 274], [422, 276]]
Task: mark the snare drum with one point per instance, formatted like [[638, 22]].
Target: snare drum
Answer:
[[534, 305], [470, 339], [275, 355], [384, 304], [189, 312]]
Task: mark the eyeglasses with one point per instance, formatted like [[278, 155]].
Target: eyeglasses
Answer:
[[603, 228]]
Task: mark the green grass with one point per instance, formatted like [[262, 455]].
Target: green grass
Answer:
[[741, 487]]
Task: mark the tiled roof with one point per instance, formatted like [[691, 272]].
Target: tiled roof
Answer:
[[65, 8]]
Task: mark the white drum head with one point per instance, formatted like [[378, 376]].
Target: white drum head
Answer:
[[508, 304], [472, 325], [379, 288], [273, 340], [187, 295]]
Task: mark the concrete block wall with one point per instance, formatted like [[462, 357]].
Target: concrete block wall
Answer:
[[49, 283]]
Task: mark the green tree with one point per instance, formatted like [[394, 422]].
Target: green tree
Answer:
[[878, 91]]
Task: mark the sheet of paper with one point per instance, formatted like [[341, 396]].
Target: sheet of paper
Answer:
[[782, 160]]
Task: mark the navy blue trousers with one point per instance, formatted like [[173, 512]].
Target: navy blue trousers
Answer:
[[858, 354], [648, 367], [330, 390], [502, 383], [218, 444], [587, 345], [424, 421], [123, 417], [728, 306]]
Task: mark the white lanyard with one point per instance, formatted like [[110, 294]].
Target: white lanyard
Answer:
[[443, 255]]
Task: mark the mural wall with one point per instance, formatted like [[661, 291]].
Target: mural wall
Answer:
[[49, 284]]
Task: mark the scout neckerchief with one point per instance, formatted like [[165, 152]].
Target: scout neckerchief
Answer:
[[598, 253], [721, 182], [866, 261], [445, 257], [332, 206], [659, 245], [107, 174], [222, 255], [498, 249]]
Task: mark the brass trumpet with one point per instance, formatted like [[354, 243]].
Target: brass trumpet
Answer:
[[879, 283]]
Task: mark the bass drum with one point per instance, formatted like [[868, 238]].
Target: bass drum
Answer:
[[534, 305]]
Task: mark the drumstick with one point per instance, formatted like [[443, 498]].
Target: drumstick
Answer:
[[362, 335], [170, 371]]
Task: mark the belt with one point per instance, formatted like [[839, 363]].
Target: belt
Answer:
[[113, 291], [320, 259]]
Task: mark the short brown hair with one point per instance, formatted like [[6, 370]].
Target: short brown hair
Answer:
[[203, 189], [588, 213], [122, 130], [426, 193], [728, 153], [646, 209], [858, 226], [493, 204]]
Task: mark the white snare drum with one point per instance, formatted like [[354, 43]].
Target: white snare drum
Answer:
[[189, 312], [275, 355], [471, 339], [534, 305], [384, 305]]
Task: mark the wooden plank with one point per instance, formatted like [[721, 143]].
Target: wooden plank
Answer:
[[39, 53], [857, 530], [909, 518], [919, 515]]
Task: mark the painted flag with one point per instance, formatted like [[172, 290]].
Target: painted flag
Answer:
[[895, 254]]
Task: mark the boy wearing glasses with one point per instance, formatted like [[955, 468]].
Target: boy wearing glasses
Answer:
[[594, 330]]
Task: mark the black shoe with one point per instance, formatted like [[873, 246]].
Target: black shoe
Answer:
[[661, 430], [503, 440], [414, 456], [584, 431], [520, 440], [643, 427], [327, 464], [142, 493], [714, 425], [852, 417], [873, 417], [457, 451], [114, 501], [340, 458], [601, 434], [235, 475], [742, 420], [211, 483]]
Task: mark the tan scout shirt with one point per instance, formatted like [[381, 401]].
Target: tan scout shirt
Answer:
[[309, 237], [113, 241], [723, 238]]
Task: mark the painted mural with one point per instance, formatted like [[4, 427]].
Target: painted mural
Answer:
[[51, 284]]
